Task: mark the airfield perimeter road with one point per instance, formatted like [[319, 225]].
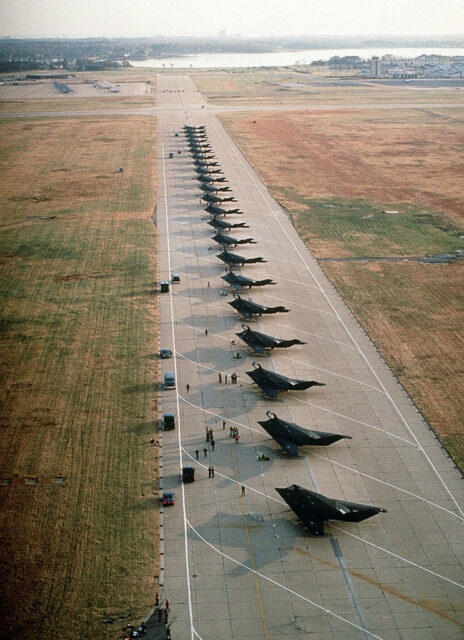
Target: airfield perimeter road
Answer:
[[240, 566]]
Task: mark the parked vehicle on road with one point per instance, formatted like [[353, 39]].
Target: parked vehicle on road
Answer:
[[168, 498], [169, 380], [169, 422]]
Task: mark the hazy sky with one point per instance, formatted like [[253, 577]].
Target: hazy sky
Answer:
[[249, 17]]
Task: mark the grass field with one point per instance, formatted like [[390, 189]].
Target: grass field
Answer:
[[290, 87], [336, 172], [78, 474], [75, 104]]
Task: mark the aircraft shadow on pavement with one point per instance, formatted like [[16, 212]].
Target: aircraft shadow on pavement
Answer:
[[227, 530], [211, 271], [186, 220]]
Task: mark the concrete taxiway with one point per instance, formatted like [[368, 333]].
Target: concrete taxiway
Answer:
[[239, 566]]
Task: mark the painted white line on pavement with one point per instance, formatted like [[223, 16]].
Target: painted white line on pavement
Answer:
[[337, 464], [179, 430], [308, 268]]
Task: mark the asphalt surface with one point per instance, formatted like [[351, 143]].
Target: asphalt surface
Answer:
[[240, 566]]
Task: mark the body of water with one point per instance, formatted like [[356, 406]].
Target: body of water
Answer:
[[285, 58]]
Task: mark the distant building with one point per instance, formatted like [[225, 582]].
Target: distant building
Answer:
[[376, 67]]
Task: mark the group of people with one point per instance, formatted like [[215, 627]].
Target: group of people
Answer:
[[233, 433], [163, 613], [233, 377]]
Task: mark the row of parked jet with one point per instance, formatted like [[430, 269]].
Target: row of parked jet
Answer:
[[312, 508]]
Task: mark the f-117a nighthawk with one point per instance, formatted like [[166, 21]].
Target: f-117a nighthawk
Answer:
[[240, 282], [212, 188], [210, 197], [196, 138], [249, 309], [234, 260], [260, 342], [229, 241], [203, 159], [207, 171], [313, 509], [272, 383], [220, 224], [196, 135], [206, 179], [217, 211], [194, 127], [290, 436]]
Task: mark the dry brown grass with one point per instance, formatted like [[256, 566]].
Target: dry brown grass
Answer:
[[78, 376], [379, 156], [410, 160]]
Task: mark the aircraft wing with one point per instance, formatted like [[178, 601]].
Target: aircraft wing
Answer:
[[290, 447], [230, 279], [268, 388], [248, 339]]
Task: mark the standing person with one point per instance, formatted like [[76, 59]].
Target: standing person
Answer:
[[197, 453], [213, 442], [209, 471], [243, 489], [205, 451], [231, 431], [187, 387], [157, 599], [225, 378], [219, 377], [206, 332], [236, 437], [168, 605], [223, 425], [212, 471]]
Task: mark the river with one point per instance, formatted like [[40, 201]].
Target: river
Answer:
[[284, 58]]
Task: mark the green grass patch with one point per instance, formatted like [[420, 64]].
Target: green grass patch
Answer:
[[361, 228]]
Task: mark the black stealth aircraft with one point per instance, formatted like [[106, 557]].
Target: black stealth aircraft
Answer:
[[217, 211], [206, 171], [272, 383], [313, 509], [260, 342], [228, 241], [210, 180], [213, 188], [210, 197], [234, 260], [220, 224], [249, 309], [290, 436], [240, 282]]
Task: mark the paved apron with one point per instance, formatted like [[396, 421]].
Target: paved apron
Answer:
[[240, 566]]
